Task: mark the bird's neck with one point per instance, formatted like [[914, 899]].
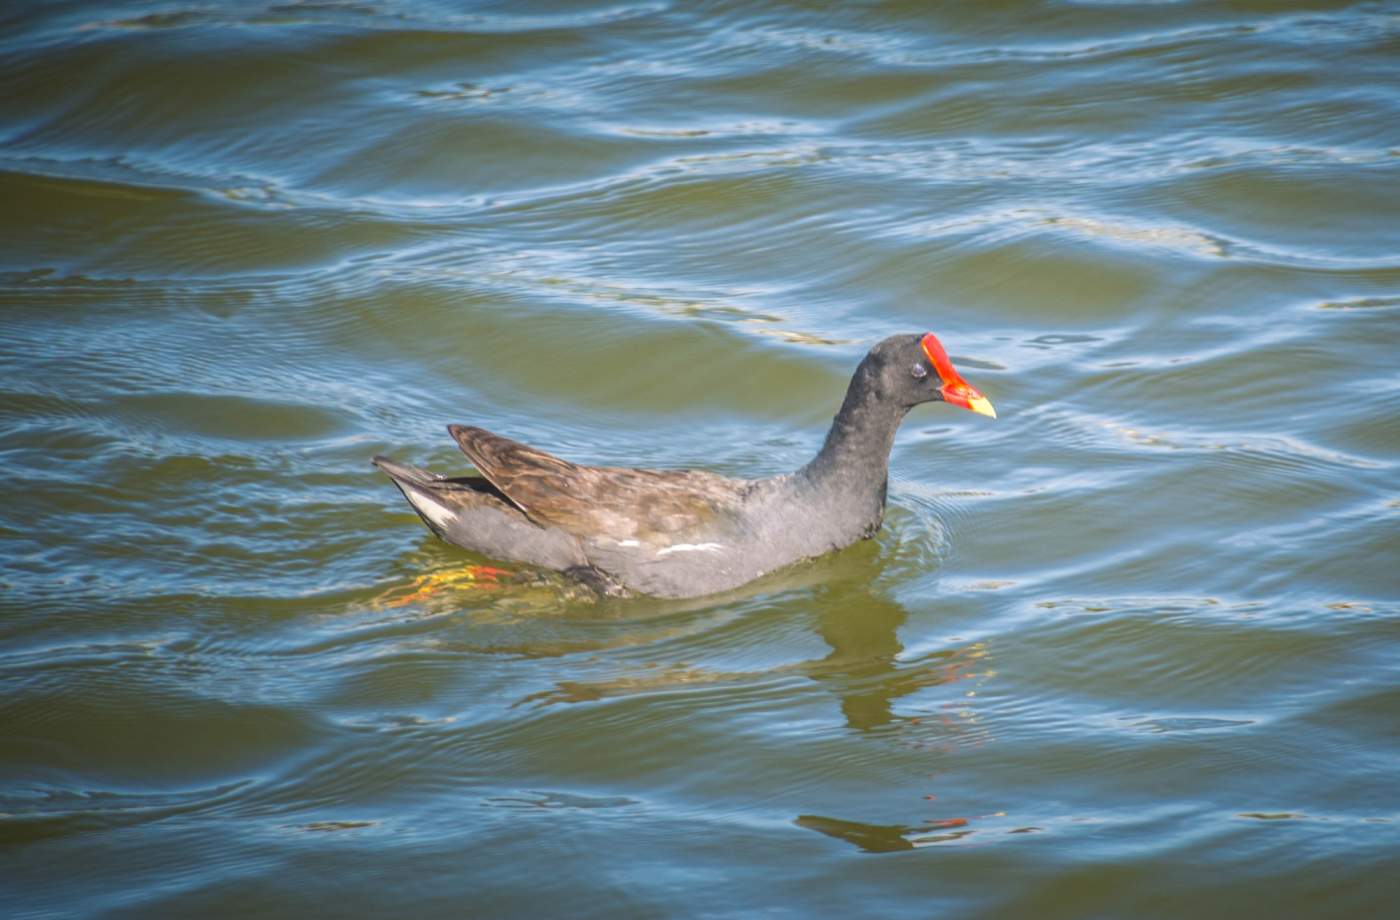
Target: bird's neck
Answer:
[[853, 464]]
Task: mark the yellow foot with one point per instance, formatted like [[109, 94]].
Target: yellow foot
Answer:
[[467, 577]]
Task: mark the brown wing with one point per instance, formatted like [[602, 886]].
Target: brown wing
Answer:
[[615, 502]]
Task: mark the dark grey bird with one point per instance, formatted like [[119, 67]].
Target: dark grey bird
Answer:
[[684, 533]]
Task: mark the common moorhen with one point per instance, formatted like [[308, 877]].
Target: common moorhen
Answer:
[[683, 533]]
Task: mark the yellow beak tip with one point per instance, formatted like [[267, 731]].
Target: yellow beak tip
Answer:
[[982, 407]]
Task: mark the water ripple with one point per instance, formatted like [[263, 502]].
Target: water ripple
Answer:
[[249, 247]]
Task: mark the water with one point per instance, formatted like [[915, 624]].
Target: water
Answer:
[[1130, 650]]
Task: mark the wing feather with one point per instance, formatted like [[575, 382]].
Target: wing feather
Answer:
[[616, 502]]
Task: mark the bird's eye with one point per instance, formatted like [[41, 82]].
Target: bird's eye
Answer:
[[919, 371]]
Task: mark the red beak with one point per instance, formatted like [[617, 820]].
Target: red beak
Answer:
[[955, 390]]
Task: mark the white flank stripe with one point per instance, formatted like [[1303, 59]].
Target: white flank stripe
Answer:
[[690, 548]]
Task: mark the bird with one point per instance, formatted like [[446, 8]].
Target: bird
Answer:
[[682, 533]]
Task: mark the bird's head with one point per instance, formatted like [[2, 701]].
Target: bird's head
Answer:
[[914, 369]]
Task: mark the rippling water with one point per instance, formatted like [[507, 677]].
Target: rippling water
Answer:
[[1129, 651]]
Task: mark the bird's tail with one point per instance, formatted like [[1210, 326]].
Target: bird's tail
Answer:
[[403, 473]]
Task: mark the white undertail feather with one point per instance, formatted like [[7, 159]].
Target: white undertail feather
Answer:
[[440, 515]]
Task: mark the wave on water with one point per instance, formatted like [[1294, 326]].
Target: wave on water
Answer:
[[1130, 644]]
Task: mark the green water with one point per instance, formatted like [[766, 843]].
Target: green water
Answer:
[[1131, 650]]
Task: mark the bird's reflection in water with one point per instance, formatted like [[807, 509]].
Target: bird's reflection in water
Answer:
[[863, 670], [887, 838], [866, 673], [863, 632], [858, 622]]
